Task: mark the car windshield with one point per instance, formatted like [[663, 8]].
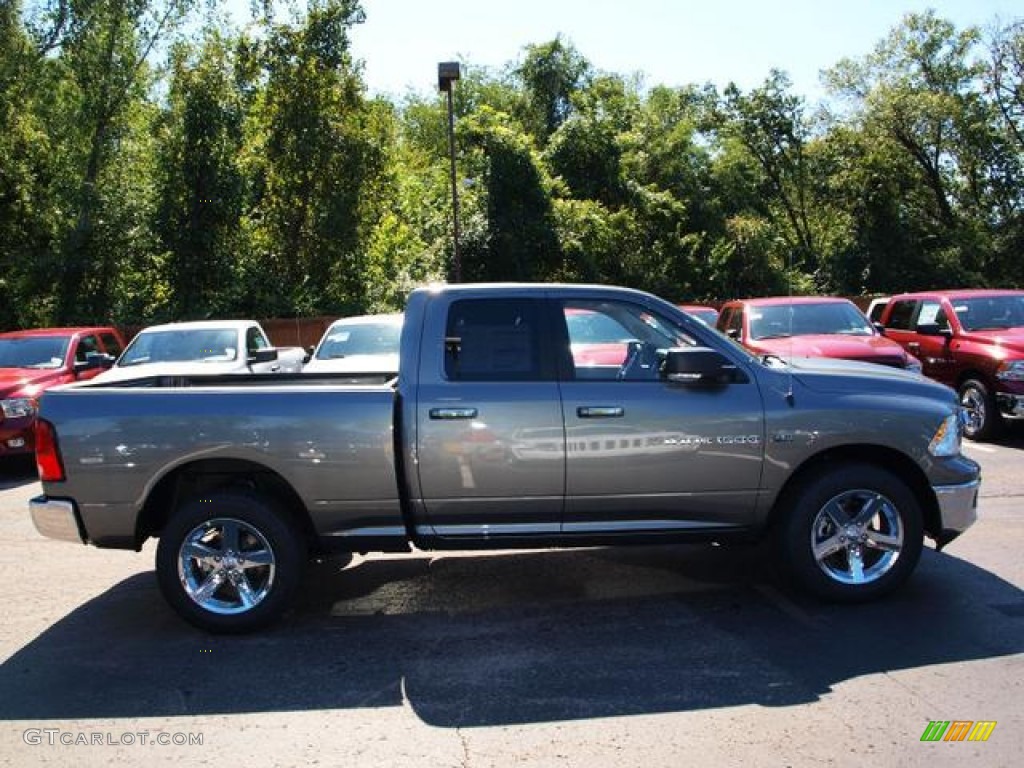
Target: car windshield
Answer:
[[990, 313], [360, 339], [215, 345], [35, 352], [780, 321]]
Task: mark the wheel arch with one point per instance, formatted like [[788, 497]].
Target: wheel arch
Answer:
[[211, 474], [878, 456], [973, 373]]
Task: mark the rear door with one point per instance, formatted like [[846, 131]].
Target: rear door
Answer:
[[490, 441], [646, 455]]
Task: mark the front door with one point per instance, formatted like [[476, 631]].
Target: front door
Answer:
[[644, 454]]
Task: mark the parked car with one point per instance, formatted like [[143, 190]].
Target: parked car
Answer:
[[209, 346], [31, 361], [971, 340], [492, 437], [709, 315], [810, 326], [363, 344]]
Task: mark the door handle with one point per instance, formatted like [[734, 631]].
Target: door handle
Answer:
[[600, 412], [447, 414]]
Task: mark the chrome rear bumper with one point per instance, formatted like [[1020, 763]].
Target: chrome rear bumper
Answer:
[[55, 519]]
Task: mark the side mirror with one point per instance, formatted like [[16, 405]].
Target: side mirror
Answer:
[[733, 333], [309, 354], [699, 367], [265, 355], [934, 329], [879, 327]]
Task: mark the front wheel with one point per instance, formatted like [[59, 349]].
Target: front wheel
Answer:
[[851, 534], [229, 561], [982, 420]]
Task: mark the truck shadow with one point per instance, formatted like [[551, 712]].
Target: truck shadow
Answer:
[[506, 638]]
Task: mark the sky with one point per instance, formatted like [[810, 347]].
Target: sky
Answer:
[[669, 42]]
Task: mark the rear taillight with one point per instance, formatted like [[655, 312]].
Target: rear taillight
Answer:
[[48, 461]]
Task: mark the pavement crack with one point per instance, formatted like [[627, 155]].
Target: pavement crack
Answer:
[[465, 748]]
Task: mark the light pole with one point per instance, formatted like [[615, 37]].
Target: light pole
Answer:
[[448, 73]]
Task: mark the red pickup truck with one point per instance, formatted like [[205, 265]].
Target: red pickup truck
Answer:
[[971, 340], [32, 361]]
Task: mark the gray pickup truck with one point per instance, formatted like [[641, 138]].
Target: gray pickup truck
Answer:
[[522, 416]]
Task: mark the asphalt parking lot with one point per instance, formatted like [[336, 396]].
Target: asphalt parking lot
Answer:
[[666, 656]]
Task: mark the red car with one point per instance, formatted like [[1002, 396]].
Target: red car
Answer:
[[971, 340], [811, 326], [32, 361]]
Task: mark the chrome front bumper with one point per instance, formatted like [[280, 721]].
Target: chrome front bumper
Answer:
[[55, 519], [958, 507]]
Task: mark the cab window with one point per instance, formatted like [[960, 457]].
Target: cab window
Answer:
[[494, 340], [617, 341], [87, 345]]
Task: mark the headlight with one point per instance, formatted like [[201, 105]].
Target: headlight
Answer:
[[18, 407], [1011, 371], [946, 441]]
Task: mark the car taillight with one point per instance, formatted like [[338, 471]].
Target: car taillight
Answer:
[[48, 461]]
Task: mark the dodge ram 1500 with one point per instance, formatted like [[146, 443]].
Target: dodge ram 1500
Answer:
[[501, 430]]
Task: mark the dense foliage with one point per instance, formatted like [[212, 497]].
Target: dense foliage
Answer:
[[158, 162]]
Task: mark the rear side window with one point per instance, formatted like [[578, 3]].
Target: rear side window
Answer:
[[111, 344], [901, 314], [493, 340]]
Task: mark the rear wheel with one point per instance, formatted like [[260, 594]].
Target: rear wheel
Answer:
[[229, 561], [851, 534], [982, 420]]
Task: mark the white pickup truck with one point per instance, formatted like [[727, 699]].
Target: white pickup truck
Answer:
[[206, 346]]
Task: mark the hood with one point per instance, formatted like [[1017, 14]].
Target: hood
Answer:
[[843, 376], [386, 364], [871, 349], [28, 382], [1010, 339]]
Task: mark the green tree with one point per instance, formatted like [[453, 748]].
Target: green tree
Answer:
[[200, 183]]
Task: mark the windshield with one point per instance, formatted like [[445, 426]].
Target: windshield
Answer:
[[38, 352], [360, 339], [990, 312], [776, 322], [215, 345]]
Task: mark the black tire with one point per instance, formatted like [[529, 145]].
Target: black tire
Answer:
[[230, 561], [829, 547], [983, 420]]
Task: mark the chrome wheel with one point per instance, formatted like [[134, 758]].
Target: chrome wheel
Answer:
[[975, 410], [857, 537], [226, 566]]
